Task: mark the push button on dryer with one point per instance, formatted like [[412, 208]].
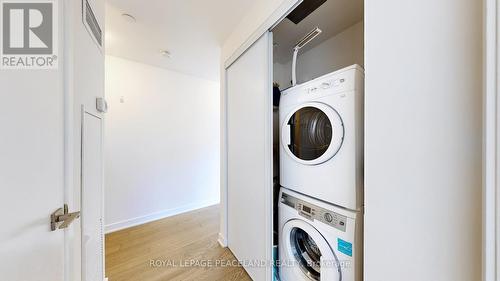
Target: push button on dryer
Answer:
[[312, 90], [326, 85]]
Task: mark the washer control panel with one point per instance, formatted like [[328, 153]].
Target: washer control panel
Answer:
[[313, 212]]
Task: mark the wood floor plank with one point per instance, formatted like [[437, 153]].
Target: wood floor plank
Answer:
[[182, 247]]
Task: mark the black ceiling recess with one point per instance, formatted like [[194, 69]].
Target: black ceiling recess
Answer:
[[304, 9]]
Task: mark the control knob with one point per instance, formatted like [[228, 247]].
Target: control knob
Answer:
[[328, 217]]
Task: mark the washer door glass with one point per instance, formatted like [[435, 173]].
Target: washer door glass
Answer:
[[313, 133], [307, 249], [306, 253]]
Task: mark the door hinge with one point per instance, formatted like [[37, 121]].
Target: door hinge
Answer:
[[63, 217]]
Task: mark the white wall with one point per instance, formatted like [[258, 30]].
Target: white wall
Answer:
[[339, 51], [162, 143], [423, 140]]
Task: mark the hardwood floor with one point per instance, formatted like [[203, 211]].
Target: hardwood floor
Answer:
[[175, 248]]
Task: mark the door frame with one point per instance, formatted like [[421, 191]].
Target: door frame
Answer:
[[73, 123], [72, 235], [491, 142]]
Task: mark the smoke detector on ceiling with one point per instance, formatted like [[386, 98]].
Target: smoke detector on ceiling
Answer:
[[165, 53], [129, 18]]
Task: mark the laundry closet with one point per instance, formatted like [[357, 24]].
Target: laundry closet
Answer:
[[318, 74], [301, 161], [423, 110]]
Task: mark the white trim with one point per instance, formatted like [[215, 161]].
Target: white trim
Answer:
[[222, 241], [491, 145], [223, 159], [283, 10], [158, 215]]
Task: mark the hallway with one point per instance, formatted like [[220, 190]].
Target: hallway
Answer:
[[162, 250]]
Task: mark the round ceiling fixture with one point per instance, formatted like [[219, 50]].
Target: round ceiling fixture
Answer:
[[165, 53], [129, 18]]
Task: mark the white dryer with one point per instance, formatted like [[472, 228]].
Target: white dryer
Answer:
[[321, 134], [318, 241]]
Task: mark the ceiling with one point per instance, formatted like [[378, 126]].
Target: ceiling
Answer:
[[332, 18], [193, 31]]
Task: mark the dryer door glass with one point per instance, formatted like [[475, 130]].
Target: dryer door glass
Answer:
[[306, 253], [310, 133]]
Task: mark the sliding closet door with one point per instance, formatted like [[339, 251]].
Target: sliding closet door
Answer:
[[249, 156]]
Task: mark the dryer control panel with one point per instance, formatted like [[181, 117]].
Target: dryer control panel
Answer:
[[313, 212]]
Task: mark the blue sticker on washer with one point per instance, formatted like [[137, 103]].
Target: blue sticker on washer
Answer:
[[344, 247]]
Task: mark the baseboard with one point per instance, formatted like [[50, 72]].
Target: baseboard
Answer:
[[157, 215], [222, 240]]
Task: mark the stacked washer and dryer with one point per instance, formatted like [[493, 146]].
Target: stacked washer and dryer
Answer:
[[321, 175]]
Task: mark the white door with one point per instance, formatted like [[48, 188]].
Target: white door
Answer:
[[31, 172], [40, 140], [92, 199], [31, 175], [249, 156]]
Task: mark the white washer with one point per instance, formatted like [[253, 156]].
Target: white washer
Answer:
[[318, 241], [321, 134]]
